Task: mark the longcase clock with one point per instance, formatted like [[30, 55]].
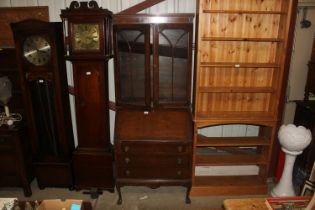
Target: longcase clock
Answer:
[[88, 33], [39, 50]]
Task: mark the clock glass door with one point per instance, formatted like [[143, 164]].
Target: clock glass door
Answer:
[[44, 115]]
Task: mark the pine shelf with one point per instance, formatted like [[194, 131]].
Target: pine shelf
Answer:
[[235, 90], [248, 39], [231, 141], [228, 185], [244, 12], [226, 160], [242, 63], [239, 65]]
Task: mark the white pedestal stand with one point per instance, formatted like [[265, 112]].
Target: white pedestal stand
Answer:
[[293, 141]]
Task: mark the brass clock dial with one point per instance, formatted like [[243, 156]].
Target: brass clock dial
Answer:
[[36, 50], [86, 37]]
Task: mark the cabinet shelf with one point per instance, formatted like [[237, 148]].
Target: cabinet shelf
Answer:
[[237, 116], [239, 65], [235, 90], [245, 12], [232, 141], [221, 160], [232, 185], [249, 39]]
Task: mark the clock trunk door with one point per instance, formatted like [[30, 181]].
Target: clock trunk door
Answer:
[[90, 99]]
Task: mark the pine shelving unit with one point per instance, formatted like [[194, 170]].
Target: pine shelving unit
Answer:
[[243, 49]]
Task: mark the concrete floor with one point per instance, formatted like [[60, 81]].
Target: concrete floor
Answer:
[[134, 198]]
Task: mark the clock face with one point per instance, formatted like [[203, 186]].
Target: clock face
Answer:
[[36, 50], [86, 37]]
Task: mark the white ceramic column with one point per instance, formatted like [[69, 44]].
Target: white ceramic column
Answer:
[[293, 141]]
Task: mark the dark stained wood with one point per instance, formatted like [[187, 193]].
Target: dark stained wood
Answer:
[[153, 124], [170, 125], [16, 158], [171, 49], [46, 101], [153, 19], [91, 104], [92, 159], [140, 6]]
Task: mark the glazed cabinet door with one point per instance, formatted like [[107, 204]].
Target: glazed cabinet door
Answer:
[[133, 55]]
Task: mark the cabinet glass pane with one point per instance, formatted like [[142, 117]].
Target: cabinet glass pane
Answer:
[[131, 55], [173, 65]]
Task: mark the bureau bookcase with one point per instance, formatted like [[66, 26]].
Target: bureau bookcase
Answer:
[[153, 124], [243, 47]]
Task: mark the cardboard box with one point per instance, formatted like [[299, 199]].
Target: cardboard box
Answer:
[[57, 204]]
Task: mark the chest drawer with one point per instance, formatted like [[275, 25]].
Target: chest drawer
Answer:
[[6, 143], [154, 160], [154, 173], [152, 148]]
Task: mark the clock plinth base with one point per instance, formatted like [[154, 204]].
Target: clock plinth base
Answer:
[[45, 173], [93, 169]]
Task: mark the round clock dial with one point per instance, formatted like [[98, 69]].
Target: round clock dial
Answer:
[[37, 50]]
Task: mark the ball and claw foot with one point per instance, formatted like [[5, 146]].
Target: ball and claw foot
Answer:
[[188, 201], [119, 201]]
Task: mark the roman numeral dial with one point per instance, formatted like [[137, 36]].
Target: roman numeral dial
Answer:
[[37, 50]]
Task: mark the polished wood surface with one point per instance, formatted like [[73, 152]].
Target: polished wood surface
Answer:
[[153, 125], [46, 101], [242, 64], [93, 158], [172, 125], [157, 152]]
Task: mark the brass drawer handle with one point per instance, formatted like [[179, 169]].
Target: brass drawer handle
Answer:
[[127, 172], [179, 161], [126, 148], [179, 148], [179, 173], [127, 160]]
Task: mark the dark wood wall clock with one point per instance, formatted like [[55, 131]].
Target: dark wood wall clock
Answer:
[[41, 64], [88, 33]]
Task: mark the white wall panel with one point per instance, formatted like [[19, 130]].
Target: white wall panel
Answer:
[[5, 3], [32, 2], [18, 3]]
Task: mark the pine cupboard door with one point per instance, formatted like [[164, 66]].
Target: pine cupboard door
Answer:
[[91, 104]]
